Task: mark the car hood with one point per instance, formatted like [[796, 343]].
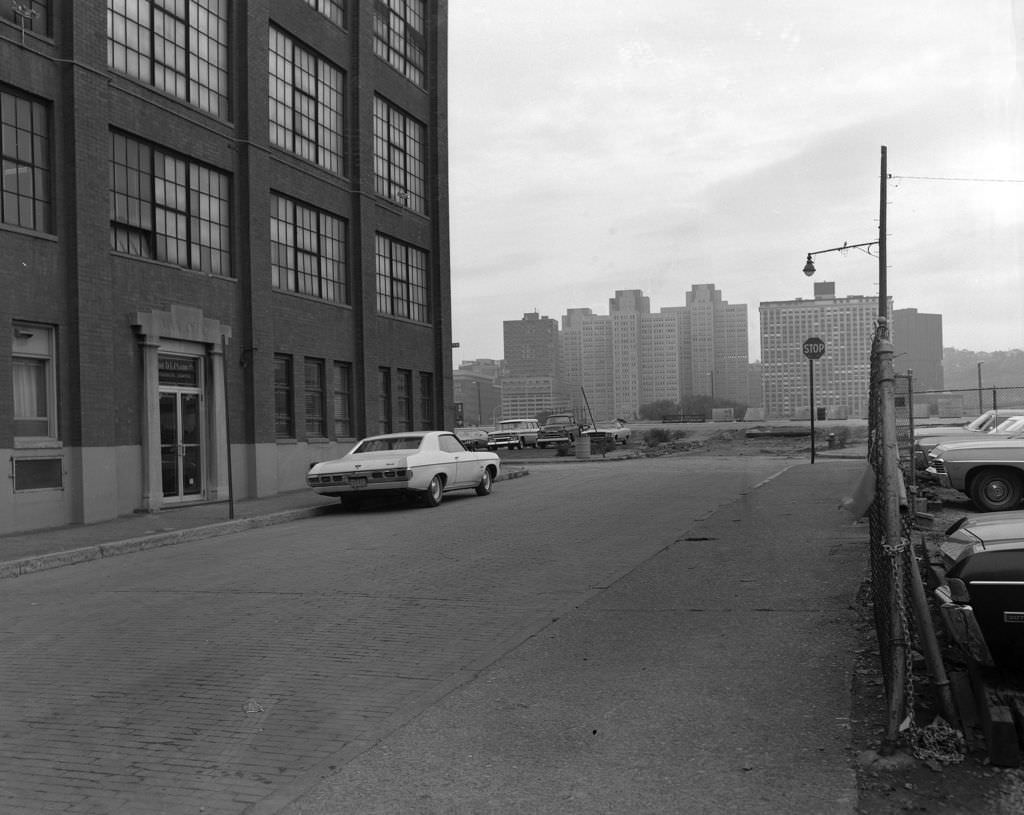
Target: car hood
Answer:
[[986, 442]]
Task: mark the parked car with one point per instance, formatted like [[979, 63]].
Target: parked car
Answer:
[[423, 465], [990, 471], [923, 445], [981, 594], [474, 438], [559, 428], [986, 421], [514, 434], [618, 432]]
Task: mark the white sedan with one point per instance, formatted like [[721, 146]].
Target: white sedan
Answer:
[[618, 432], [421, 464]]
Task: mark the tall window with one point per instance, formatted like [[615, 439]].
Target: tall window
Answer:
[[307, 251], [305, 103], [177, 46], [284, 403], [403, 401], [33, 356], [426, 400], [398, 36], [333, 10], [384, 399], [167, 207], [316, 417], [25, 181], [402, 280], [343, 401], [399, 156]]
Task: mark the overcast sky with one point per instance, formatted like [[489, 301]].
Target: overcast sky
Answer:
[[657, 144]]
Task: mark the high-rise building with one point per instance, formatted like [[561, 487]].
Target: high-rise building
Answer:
[[917, 347], [224, 242], [841, 376], [631, 357], [532, 383]]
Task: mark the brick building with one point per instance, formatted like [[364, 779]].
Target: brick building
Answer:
[[223, 243]]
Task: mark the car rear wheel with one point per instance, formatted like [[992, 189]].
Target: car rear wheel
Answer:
[[484, 487], [996, 490], [434, 492]]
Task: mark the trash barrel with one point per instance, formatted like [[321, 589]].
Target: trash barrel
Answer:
[[583, 447]]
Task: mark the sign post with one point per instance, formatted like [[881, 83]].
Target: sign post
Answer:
[[813, 349]]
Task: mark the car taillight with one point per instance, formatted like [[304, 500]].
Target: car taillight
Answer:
[[958, 592]]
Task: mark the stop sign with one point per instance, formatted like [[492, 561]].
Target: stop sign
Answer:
[[813, 348]]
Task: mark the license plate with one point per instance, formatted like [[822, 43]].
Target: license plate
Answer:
[[357, 482], [1013, 616]]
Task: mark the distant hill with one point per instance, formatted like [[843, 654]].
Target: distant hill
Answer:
[[998, 369]]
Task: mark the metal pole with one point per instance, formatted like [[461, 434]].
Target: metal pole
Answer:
[[981, 409], [883, 289], [227, 428], [912, 467], [810, 364]]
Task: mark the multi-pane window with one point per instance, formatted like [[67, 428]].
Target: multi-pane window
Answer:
[[31, 15], [33, 356], [333, 10], [284, 403], [403, 400], [306, 115], [177, 46], [343, 400], [426, 400], [167, 207], [398, 36], [399, 156], [26, 180], [401, 280], [307, 251], [384, 422], [316, 416]]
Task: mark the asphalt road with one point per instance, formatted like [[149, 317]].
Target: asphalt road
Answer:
[[233, 675]]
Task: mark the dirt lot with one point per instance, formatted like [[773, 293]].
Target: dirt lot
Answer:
[[896, 783]]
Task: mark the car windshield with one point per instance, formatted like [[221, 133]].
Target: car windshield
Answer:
[[512, 425], [1009, 425], [390, 443]]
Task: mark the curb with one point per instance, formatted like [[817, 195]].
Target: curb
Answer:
[[98, 551]]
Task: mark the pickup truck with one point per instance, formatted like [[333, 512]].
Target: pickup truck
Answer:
[[989, 471], [560, 428]]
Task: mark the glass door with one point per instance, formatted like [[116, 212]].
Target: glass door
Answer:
[[181, 454]]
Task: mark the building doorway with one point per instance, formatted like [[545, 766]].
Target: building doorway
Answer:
[[182, 454]]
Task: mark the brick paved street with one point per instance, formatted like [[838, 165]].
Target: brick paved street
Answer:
[[212, 675]]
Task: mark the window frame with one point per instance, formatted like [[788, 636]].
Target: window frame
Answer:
[[34, 346], [385, 418], [399, 37], [315, 391], [284, 397], [186, 57], [301, 82], [26, 149], [399, 156], [343, 401], [426, 399], [402, 280], [290, 239], [156, 195]]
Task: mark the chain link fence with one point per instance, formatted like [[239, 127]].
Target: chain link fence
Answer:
[[902, 613]]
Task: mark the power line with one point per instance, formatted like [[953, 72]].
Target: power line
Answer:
[[940, 178]]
